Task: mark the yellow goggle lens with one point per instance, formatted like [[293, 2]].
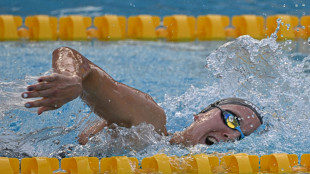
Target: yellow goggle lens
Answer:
[[231, 125]]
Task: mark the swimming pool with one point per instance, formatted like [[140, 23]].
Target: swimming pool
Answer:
[[175, 74], [182, 77], [155, 7]]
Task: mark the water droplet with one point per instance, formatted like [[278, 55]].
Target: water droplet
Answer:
[[249, 117], [131, 4], [56, 142], [288, 42], [303, 5], [296, 5], [251, 125], [284, 5]]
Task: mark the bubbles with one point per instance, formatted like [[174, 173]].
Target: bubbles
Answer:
[[56, 142], [265, 75], [261, 71], [132, 4], [122, 140], [10, 94]]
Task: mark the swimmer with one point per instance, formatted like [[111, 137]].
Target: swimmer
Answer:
[[116, 103]]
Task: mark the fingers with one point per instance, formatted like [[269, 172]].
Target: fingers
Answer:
[[48, 102], [39, 86], [43, 93], [45, 108], [45, 88], [48, 78], [40, 89]]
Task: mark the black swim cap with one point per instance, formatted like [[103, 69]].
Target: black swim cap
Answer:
[[234, 101]]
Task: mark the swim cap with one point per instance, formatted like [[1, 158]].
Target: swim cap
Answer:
[[234, 101]]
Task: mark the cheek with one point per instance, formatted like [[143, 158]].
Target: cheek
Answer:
[[205, 126], [202, 140], [216, 130], [218, 125]]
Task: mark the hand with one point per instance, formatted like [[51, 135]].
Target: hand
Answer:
[[56, 90], [83, 138]]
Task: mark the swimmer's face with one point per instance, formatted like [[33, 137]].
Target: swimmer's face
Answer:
[[209, 128]]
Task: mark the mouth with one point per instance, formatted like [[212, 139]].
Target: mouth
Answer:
[[210, 140]]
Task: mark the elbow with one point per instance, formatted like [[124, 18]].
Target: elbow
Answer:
[[58, 52]]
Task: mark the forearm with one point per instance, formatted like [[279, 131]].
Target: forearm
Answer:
[[92, 130], [69, 62], [96, 84], [98, 88], [115, 102]]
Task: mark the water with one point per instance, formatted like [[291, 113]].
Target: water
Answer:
[[172, 69], [182, 77], [155, 7]]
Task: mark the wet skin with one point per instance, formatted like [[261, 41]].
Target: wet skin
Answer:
[[209, 128], [116, 103]]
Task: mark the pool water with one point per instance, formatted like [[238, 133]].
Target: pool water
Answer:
[[182, 77], [155, 7]]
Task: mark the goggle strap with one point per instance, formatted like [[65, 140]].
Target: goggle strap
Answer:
[[239, 129]]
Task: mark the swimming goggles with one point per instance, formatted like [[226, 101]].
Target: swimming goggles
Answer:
[[231, 120]]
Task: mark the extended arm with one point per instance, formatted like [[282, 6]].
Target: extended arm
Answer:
[[90, 131], [76, 76]]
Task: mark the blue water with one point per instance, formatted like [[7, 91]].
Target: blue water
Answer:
[[158, 68], [155, 7], [276, 78], [182, 77]]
